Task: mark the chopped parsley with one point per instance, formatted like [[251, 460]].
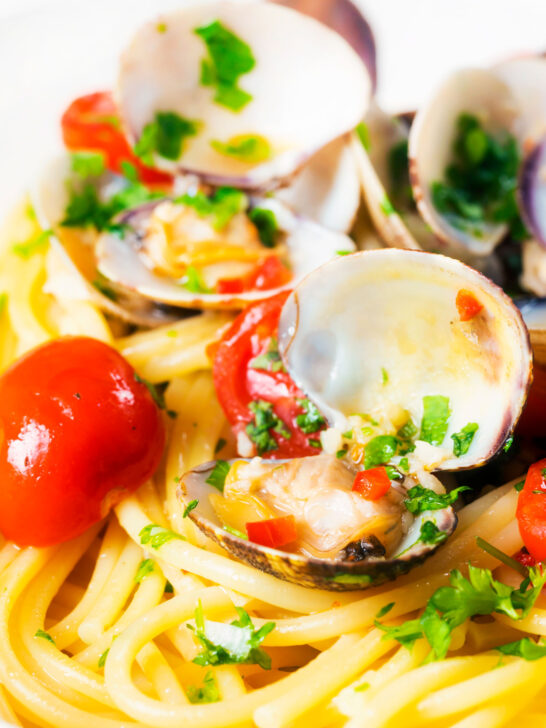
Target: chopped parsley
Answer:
[[220, 445], [386, 206], [87, 164], [36, 245], [384, 610], [169, 588], [508, 444], [480, 184], [363, 134], [263, 422], [270, 360], [311, 421], [236, 532], [341, 453], [463, 439], [519, 485], [192, 505], [393, 473], [431, 534], [3, 302], [193, 281], [165, 136], [157, 394], [102, 287], [146, 567], [220, 207], [398, 169], [452, 605], [344, 578], [45, 636], [266, 224], [156, 536], [250, 148], [207, 693], [404, 465], [422, 499], [407, 431], [384, 375], [230, 644], [229, 58], [380, 450], [218, 475], [436, 413], [362, 687], [102, 658], [525, 647]]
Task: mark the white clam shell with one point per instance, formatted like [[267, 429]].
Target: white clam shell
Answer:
[[309, 246], [396, 309], [526, 78], [308, 87], [478, 92]]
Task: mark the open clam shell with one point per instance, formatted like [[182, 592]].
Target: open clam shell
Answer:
[[307, 87], [533, 192], [534, 314], [484, 95], [119, 260], [76, 248], [335, 575], [396, 310]]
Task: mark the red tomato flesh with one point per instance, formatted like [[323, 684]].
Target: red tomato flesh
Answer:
[[531, 511], [269, 274], [78, 432], [238, 383], [467, 304], [92, 123], [273, 532], [372, 484]]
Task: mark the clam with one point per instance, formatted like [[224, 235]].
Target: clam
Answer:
[[533, 192], [534, 314], [141, 261], [415, 360], [254, 90], [479, 93]]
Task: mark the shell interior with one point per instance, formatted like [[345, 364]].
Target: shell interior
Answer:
[[396, 311], [533, 192], [308, 87], [309, 571]]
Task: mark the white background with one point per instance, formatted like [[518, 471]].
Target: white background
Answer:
[[53, 50]]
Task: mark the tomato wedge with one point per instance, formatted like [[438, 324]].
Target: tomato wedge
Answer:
[[255, 392], [372, 484], [273, 532], [78, 432], [531, 511], [92, 123]]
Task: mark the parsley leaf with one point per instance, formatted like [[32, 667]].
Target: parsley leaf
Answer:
[[220, 445], [250, 148], [525, 647], [430, 533], [270, 360], [229, 59], [508, 444], [422, 499], [193, 281], [192, 505], [145, 567], [102, 658], [384, 610], [155, 536], [436, 412], [221, 206], [387, 206], [363, 134], [236, 532], [344, 578], [380, 450], [266, 224], [207, 693], [311, 420], [519, 485], [165, 135], [45, 636], [218, 475], [157, 395], [229, 644], [259, 428], [36, 245], [87, 164], [463, 439]]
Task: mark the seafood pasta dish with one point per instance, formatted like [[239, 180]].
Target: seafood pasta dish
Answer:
[[273, 391]]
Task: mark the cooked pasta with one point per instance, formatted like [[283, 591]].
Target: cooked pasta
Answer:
[[87, 641]]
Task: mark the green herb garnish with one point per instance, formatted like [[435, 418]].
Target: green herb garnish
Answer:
[[380, 450], [384, 610], [36, 245], [344, 578], [87, 164], [156, 536], [193, 281], [270, 360], [192, 505], [157, 394], [250, 148], [165, 136], [266, 224], [430, 533], [363, 134], [102, 658], [463, 439], [218, 475], [386, 206], [422, 499], [236, 532], [207, 693], [312, 420], [222, 205], [220, 445], [147, 566], [525, 647], [436, 413], [263, 422], [45, 636]]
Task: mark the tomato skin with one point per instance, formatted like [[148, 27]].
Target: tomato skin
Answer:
[[273, 532], [238, 384], [92, 123], [467, 304], [269, 274], [78, 432], [531, 511], [372, 484]]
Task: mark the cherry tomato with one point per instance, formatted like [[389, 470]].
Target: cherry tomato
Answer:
[[273, 532], [525, 558], [531, 511], [270, 273], [78, 432], [372, 484], [239, 381], [92, 123], [467, 304]]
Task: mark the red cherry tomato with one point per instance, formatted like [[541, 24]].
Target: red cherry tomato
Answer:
[[78, 432], [239, 382], [372, 484], [273, 532], [269, 274], [467, 304], [531, 511], [92, 123]]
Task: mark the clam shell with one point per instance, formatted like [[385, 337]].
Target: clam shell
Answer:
[[308, 87], [526, 78], [534, 314], [309, 245], [533, 192], [303, 570], [395, 309], [478, 92]]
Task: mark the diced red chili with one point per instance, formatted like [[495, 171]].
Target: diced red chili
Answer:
[[467, 304], [273, 532], [372, 484]]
